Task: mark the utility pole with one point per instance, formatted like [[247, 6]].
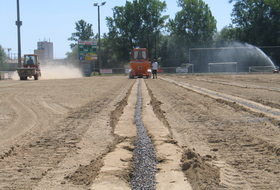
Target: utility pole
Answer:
[[99, 43], [18, 23]]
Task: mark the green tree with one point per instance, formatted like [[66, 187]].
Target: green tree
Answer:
[[152, 23], [273, 3], [109, 57], [193, 26], [3, 63], [275, 19], [194, 23], [83, 32], [171, 53], [257, 21], [121, 31], [225, 37], [72, 57], [137, 24]]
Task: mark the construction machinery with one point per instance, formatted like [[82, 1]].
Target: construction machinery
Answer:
[[140, 65], [30, 67]]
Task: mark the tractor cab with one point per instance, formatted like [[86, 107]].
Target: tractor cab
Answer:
[[140, 54], [30, 60]]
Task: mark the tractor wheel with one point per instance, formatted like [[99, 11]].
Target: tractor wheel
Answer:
[[36, 77]]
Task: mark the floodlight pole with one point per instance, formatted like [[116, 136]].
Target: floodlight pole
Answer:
[[18, 23], [99, 43]]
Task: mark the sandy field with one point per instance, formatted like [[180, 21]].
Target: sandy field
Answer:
[[211, 131]]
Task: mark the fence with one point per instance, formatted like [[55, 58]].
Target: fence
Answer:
[[5, 75], [262, 69], [166, 70]]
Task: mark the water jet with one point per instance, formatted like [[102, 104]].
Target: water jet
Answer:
[[246, 57]]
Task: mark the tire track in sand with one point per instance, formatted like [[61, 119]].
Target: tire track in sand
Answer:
[[247, 160], [20, 124]]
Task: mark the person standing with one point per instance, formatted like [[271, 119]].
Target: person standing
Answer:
[[154, 68]]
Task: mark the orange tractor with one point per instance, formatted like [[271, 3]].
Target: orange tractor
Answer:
[[140, 65], [30, 67]]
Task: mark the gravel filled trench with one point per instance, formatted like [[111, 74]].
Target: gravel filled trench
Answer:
[[144, 154]]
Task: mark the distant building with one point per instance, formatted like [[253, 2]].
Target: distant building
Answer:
[[44, 51]]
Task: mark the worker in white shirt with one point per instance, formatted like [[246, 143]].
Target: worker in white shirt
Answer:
[[154, 68]]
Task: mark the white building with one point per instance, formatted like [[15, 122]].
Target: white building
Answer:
[[44, 51]]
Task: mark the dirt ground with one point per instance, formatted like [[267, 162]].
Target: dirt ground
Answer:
[[211, 131]]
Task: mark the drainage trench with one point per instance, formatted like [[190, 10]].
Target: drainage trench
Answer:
[[144, 153], [139, 169]]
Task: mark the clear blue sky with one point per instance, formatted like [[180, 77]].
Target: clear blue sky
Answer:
[[54, 20]]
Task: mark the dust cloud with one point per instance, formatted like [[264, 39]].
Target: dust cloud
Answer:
[[55, 72], [15, 76], [60, 72]]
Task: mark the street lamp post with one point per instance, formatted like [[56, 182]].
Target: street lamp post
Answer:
[[18, 23], [99, 43]]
